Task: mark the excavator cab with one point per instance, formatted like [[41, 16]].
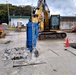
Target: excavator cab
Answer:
[[55, 22]]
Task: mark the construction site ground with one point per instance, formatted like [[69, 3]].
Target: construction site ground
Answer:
[[59, 60]]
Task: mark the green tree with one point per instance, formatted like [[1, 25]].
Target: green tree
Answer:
[[3, 16], [13, 10]]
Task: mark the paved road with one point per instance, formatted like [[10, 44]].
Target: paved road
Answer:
[[58, 60]]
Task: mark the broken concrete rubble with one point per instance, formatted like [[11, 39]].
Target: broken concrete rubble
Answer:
[[15, 53]]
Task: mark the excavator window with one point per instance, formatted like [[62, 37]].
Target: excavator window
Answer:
[[55, 22]]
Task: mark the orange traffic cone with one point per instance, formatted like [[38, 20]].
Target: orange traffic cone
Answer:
[[67, 43]]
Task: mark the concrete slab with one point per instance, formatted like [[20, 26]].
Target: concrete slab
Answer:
[[58, 61]]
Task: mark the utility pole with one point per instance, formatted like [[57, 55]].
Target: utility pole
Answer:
[[8, 11]]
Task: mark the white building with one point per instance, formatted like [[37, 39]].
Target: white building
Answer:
[[19, 20], [66, 22]]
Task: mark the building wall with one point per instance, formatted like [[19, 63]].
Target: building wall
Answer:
[[15, 21], [67, 25], [67, 22]]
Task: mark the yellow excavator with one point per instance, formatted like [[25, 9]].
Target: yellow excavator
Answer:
[[49, 25]]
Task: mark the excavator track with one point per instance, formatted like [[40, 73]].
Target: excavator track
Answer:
[[50, 35]]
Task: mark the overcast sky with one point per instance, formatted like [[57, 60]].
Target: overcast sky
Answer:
[[62, 7]]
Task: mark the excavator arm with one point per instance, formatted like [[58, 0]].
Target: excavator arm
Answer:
[[33, 26], [41, 15]]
